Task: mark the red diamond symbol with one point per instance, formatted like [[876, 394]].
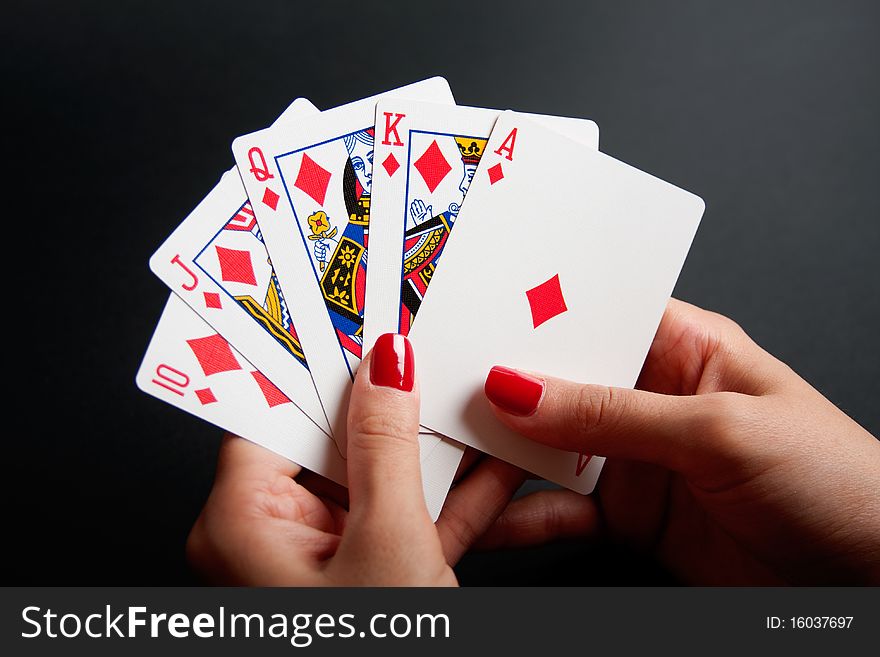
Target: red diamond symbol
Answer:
[[236, 265], [433, 166], [206, 396], [212, 300], [583, 461], [546, 301], [273, 395], [213, 354], [496, 173], [391, 164], [270, 198], [312, 179]]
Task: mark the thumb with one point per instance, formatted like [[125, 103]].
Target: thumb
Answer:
[[666, 430], [384, 474]]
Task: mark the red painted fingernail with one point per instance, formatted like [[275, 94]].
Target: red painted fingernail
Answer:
[[512, 391], [393, 364]]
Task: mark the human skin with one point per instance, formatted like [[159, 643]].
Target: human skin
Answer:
[[724, 464], [267, 522]]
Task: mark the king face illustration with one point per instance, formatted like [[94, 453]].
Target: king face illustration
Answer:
[[426, 234]]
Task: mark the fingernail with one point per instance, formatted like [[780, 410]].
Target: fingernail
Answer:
[[393, 364], [512, 391]]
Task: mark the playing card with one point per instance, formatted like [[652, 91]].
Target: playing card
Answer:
[[310, 188], [426, 155], [216, 261], [561, 262], [190, 366]]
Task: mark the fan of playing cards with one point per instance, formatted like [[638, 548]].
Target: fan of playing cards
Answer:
[[540, 253]]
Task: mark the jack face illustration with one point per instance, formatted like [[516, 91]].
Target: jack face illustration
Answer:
[[238, 261]]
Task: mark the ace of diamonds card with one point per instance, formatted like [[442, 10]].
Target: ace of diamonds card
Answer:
[[561, 262]]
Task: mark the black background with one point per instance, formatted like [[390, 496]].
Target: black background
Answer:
[[119, 118]]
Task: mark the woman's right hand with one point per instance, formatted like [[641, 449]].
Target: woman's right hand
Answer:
[[724, 462]]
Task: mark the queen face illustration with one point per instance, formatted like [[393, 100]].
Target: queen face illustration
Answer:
[[360, 152]]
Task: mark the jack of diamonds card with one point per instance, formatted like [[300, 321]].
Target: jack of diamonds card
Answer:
[[311, 189], [217, 262], [426, 155], [237, 260]]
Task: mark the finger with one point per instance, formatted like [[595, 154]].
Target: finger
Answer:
[[691, 342], [323, 487], [222, 542], [384, 474], [240, 458], [470, 458], [616, 422], [542, 517], [474, 504]]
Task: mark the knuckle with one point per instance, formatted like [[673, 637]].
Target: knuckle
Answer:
[[729, 338], [381, 429], [198, 546], [722, 324], [735, 431], [726, 323], [461, 527], [722, 416], [544, 515], [554, 523], [593, 408]]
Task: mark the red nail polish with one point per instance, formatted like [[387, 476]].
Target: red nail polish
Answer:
[[512, 391], [393, 364]]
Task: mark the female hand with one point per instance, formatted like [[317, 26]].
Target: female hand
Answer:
[[724, 463], [268, 523]]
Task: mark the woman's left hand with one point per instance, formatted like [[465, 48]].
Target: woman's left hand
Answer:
[[267, 522]]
